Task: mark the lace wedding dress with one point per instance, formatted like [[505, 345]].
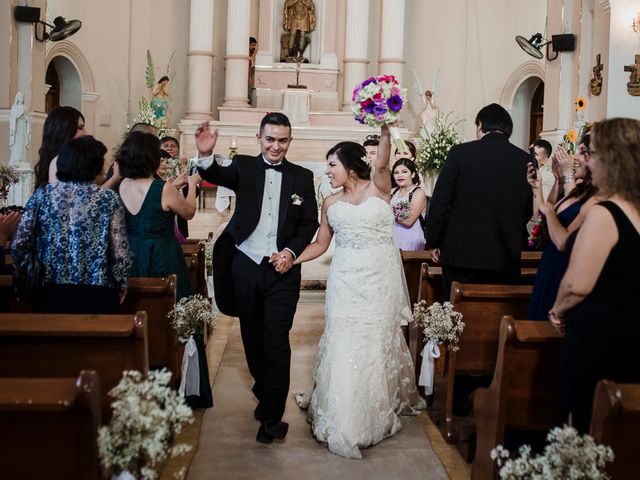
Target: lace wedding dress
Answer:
[[364, 376]]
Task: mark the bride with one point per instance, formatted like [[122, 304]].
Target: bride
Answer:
[[364, 376]]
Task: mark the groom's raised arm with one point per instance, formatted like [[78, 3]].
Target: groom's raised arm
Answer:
[[208, 168], [308, 222]]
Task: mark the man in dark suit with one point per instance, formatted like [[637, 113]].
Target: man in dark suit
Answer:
[[480, 205], [276, 211]]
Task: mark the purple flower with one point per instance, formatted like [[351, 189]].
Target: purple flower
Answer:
[[367, 82], [379, 110], [368, 106], [360, 118], [395, 103]]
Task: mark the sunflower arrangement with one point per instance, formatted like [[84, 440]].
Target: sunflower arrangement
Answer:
[[573, 135]]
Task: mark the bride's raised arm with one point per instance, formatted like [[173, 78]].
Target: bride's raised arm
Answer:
[[381, 175], [323, 239]]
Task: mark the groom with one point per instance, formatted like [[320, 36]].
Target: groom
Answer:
[[276, 211]]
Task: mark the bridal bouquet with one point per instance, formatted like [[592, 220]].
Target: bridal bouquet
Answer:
[[147, 413], [402, 210], [436, 145], [191, 315], [173, 166], [567, 455], [377, 101]]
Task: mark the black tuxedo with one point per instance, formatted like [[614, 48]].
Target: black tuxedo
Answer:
[[264, 300], [480, 206]]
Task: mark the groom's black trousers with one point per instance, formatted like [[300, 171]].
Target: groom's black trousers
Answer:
[[266, 302]]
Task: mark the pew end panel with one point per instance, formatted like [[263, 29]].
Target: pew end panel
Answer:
[[49, 427], [615, 422], [524, 391]]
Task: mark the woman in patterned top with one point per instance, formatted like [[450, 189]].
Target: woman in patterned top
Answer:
[[80, 234]]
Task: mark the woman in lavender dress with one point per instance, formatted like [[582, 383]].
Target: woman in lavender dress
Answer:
[[409, 202]]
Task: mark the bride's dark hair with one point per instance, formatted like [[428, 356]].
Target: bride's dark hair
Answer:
[[353, 157]]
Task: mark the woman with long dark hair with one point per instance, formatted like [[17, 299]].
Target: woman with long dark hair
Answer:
[[62, 124], [409, 203]]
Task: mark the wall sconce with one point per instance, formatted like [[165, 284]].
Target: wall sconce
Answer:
[[61, 29], [559, 43]]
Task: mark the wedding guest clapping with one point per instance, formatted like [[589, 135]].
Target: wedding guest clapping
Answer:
[[80, 235], [596, 305]]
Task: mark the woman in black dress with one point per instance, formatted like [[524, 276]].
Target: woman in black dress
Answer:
[[596, 304]]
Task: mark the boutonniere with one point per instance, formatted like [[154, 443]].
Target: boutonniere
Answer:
[[296, 199]]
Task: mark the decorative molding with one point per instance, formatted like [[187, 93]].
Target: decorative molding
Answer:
[[89, 96], [531, 68], [65, 48], [200, 53], [605, 4]]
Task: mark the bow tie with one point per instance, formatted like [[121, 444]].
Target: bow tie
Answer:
[[277, 168]]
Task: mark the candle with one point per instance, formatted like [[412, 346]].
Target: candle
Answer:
[[234, 143]]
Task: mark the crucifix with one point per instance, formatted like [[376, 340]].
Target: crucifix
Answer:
[[298, 60], [596, 81], [633, 86]]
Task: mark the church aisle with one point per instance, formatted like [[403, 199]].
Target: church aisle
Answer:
[[227, 448]]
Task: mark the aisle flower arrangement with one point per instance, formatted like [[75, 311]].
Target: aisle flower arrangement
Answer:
[[147, 413], [436, 145], [192, 315], [567, 455], [208, 254], [377, 101], [572, 137], [441, 325]]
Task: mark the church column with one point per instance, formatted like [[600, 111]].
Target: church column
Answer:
[[200, 60], [328, 57], [237, 58], [355, 54], [392, 39], [266, 43]]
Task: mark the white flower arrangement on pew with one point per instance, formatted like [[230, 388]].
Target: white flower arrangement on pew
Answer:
[[147, 414], [567, 455], [191, 315], [441, 324], [208, 255]]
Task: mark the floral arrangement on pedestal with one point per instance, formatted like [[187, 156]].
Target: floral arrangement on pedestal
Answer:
[[435, 146], [147, 414], [573, 135], [567, 455], [377, 101], [192, 315], [441, 325]]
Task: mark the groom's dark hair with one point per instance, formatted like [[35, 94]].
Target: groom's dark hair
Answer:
[[275, 118]]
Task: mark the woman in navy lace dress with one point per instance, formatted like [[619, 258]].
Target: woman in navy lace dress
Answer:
[[80, 235], [561, 220]]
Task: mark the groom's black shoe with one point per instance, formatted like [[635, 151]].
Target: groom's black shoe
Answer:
[[270, 430], [257, 413]]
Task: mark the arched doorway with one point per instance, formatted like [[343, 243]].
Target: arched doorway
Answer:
[[521, 112], [66, 87], [537, 110]]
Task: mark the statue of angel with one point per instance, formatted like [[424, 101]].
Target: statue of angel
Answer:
[[429, 108], [160, 90]]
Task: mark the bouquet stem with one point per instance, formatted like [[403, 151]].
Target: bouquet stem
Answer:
[[397, 139]]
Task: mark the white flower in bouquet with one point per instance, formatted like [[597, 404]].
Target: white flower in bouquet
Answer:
[[191, 315], [147, 413], [439, 322], [208, 254], [174, 166], [567, 455], [436, 145]]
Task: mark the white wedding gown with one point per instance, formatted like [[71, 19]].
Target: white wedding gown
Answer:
[[364, 377]]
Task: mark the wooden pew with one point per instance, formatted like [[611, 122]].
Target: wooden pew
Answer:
[[8, 300], [615, 422], [194, 256], [524, 392], [156, 296], [482, 307], [59, 345], [412, 264], [49, 427]]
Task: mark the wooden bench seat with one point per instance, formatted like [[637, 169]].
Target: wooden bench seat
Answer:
[[49, 427], [194, 256], [615, 422], [50, 346], [524, 392]]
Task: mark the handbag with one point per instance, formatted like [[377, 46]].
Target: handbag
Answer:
[[28, 274]]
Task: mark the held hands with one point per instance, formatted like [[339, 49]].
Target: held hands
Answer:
[[205, 140], [282, 261], [193, 180], [435, 255]]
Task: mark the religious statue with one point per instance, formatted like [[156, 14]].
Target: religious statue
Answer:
[[19, 132], [595, 85], [633, 85], [299, 19], [160, 97], [429, 111]]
